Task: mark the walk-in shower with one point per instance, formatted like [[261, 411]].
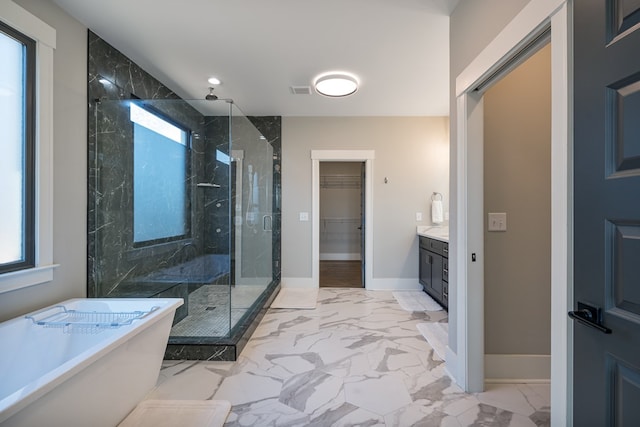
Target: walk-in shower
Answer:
[[183, 201], [182, 205]]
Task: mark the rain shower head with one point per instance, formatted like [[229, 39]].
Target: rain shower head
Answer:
[[210, 96]]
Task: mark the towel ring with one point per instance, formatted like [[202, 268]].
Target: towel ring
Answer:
[[435, 196]]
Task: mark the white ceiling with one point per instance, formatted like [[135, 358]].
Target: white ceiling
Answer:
[[399, 49]]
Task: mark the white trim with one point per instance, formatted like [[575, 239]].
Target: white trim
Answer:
[[335, 256], [394, 284], [25, 22], [45, 37], [25, 278], [366, 156], [517, 368], [561, 219], [297, 282], [386, 284], [464, 365], [254, 281], [534, 16], [451, 363], [470, 242]]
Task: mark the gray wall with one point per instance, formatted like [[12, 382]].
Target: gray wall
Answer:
[[411, 151], [474, 24], [69, 166], [517, 180]]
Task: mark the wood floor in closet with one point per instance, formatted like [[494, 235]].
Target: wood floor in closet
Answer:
[[340, 274]]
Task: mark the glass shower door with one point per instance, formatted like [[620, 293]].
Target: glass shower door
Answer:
[[252, 205]]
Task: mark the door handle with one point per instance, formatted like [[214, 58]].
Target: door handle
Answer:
[[267, 223], [589, 316]]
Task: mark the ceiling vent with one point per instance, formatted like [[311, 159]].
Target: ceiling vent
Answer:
[[301, 90]]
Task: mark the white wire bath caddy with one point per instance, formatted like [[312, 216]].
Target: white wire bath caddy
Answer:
[[87, 322]]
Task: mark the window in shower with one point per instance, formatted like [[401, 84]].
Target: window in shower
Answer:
[[160, 177], [17, 159]]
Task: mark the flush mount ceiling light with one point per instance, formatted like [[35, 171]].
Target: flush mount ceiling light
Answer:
[[214, 81], [336, 85]]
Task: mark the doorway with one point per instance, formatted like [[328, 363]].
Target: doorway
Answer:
[[465, 355], [341, 224], [366, 158], [517, 235]]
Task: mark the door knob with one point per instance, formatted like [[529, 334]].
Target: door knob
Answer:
[[589, 316]]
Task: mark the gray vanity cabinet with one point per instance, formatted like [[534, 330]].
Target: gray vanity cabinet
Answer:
[[434, 269]]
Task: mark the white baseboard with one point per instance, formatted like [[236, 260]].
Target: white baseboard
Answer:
[[451, 365], [328, 256], [394, 284], [254, 281], [387, 284], [517, 368], [297, 282]]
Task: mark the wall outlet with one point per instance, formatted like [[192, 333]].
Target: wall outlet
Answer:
[[497, 222], [304, 216], [418, 216]]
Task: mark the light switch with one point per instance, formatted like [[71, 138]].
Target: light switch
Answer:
[[418, 216], [497, 222], [304, 216]]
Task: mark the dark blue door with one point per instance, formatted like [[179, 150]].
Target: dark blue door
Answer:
[[606, 377]]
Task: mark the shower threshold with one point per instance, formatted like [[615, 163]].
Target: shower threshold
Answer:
[[200, 342]]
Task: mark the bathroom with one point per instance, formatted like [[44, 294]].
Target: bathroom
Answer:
[[78, 246], [421, 143]]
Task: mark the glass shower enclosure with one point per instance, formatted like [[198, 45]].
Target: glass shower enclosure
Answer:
[[181, 204]]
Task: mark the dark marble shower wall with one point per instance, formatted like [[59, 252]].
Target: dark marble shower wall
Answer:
[[115, 266]]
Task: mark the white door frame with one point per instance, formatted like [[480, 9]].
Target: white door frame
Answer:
[[366, 156], [467, 364]]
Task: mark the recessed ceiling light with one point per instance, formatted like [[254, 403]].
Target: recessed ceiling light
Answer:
[[336, 84], [214, 81]]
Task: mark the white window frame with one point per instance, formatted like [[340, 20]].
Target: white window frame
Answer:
[[45, 37]]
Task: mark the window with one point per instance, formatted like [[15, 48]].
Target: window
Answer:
[[160, 177], [17, 162], [36, 208]]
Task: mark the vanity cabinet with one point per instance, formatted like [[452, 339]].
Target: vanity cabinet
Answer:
[[434, 269]]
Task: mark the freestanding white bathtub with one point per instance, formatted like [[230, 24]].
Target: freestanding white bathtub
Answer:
[[55, 371]]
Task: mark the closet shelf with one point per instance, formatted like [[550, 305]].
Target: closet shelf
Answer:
[[340, 181]]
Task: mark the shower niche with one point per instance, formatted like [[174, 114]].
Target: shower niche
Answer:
[[183, 202]]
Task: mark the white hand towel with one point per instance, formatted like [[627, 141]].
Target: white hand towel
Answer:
[[437, 215]]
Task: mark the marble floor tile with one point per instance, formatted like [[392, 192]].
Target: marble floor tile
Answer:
[[357, 359], [505, 397], [381, 395]]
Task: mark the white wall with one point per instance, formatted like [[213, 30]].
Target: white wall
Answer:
[[70, 166], [412, 152]]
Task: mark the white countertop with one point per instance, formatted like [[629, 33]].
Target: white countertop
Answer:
[[438, 232]]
